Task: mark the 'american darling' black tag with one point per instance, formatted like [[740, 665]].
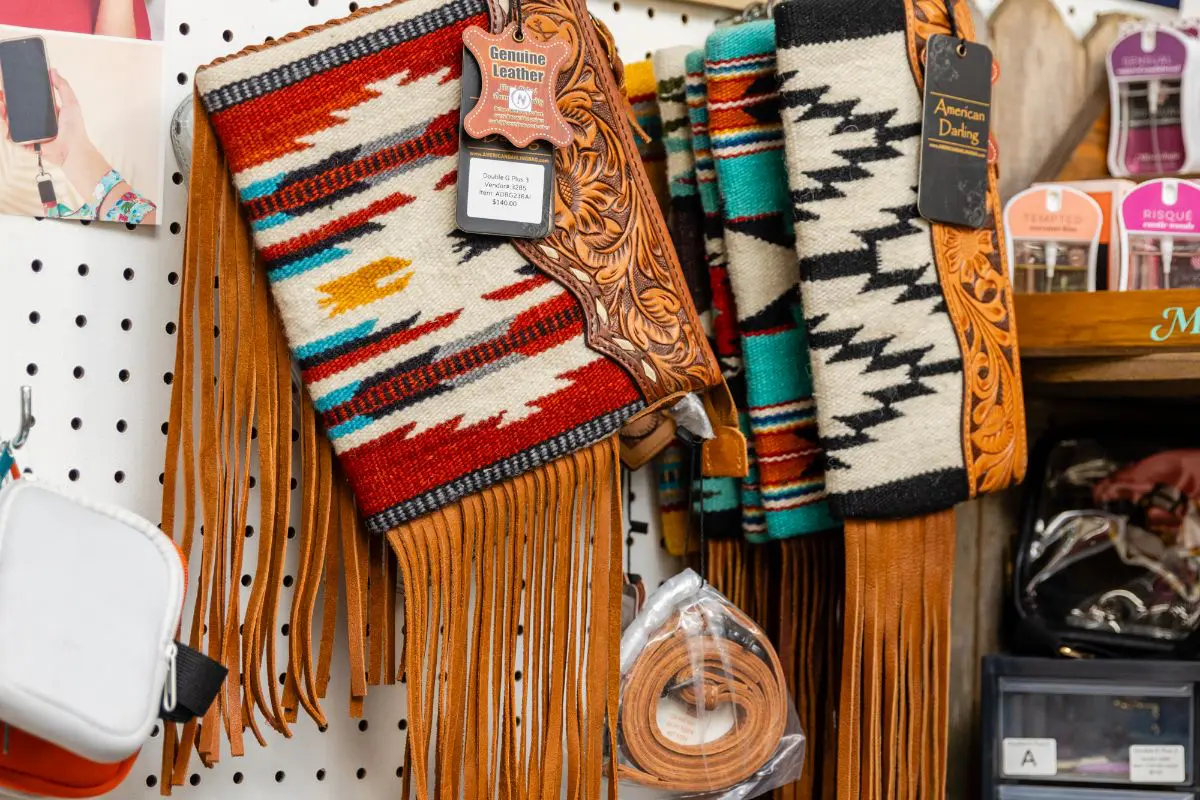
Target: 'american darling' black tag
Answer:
[[954, 136], [503, 190]]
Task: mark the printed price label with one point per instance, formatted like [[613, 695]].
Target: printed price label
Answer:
[[1157, 763], [1034, 758], [505, 190]]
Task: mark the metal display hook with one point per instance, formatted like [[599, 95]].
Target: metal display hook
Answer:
[[27, 420]]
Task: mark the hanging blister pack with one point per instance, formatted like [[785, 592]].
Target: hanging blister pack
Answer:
[[1161, 235], [1052, 233], [1153, 99]]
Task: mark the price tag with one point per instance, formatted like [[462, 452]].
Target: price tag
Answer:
[[503, 190], [1157, 763], [954, 133], [1030, 758]]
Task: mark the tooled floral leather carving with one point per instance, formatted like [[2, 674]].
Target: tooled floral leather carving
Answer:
[[974, 276], [610, 245]]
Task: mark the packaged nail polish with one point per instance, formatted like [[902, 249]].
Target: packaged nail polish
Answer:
[[1153, 101], [1052, 233], [1161, 235], [1108, 194]]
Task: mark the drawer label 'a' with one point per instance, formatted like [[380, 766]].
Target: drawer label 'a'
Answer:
[[1030, 758], [1157, 763]]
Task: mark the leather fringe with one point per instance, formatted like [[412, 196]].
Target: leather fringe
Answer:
[[896, 670], [546, 547], [233, 405]]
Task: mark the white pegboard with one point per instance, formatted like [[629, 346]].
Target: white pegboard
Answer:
[[89, 324], [1081, 14]]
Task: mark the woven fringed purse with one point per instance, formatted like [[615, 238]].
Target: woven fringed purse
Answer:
[[471, 387], [915, 365]]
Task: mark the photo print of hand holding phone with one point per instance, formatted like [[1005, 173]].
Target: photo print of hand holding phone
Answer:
[[80, 118]]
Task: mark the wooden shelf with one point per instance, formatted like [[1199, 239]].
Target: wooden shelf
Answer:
[[1133, 342]]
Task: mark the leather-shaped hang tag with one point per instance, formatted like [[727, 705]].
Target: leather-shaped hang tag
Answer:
[[517, 99], [955, 133]]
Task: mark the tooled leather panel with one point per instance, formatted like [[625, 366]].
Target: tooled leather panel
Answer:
[[610, 245], [974, 276]]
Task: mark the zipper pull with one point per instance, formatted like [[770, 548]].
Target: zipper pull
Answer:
[[171, 688]]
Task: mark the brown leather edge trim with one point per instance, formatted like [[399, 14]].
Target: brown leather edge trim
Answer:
[[993, 395]]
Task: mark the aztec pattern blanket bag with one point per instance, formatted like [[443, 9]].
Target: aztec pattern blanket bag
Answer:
[[471, 390], [916, 373]]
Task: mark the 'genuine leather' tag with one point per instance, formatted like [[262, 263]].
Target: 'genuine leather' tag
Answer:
[[954, 135], [517, 99], [503, 190]]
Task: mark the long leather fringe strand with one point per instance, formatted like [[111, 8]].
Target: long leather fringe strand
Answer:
[[540, 592], [232, 389], [896, 667]]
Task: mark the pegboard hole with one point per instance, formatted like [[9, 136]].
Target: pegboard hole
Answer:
[[517, 675], [249, 528], [166, 426], [36, 265], [194, 780], [279, 776], [83, 270], [227, 36], [362, 726], [177, 178], [80, 321], [520, 630], [403, 725], [128, 273], [119, 476], [683, 18], [170, 328], [181, 79], [247, 580], [238, 777], [253, 483], [320, 774], [73, 475], [31, 369], [291, 532], [35, 317], [123, 376], [293, 484], [399, 772], [360, 773], [127, 324], [176, 228], [650, 12], [184, 28], [151, 781], [172, 278], [288, 580], [122, 426], [76, 423], [313, 3], [168, 378], [78, 372], [616, 6], [353, 7], [285, 629], [154, 732]]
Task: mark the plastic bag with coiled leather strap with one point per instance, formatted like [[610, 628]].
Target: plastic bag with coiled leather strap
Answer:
[[705, 709]]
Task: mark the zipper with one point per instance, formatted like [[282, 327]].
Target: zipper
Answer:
[[171, 687]]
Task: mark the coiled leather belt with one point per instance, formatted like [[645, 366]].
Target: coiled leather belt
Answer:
[[729, 662]]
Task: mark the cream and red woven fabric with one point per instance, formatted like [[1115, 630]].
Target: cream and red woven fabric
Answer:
[[414, 340]]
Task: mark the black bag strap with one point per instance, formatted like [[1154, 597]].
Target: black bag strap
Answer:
[[196, 680]]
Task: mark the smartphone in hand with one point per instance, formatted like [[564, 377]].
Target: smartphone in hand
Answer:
[[28, 95]]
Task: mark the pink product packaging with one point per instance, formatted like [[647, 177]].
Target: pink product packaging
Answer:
[[1153, 101], [1160, 235]]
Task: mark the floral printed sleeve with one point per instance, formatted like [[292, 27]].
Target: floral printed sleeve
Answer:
[[130, 207]]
